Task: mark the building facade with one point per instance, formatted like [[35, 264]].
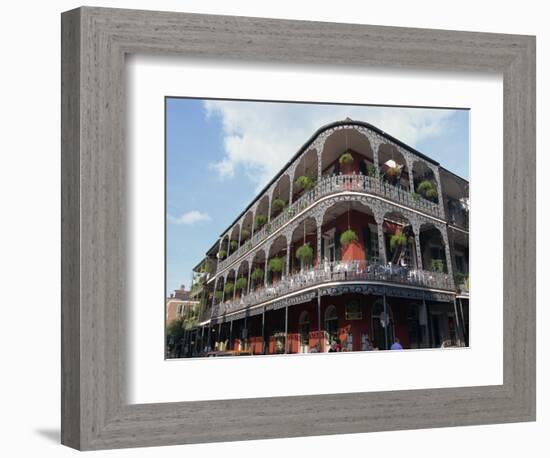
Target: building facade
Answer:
[[358, 241]]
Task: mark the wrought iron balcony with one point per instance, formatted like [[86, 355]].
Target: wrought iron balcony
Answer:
[[340, 271], [329, 185]]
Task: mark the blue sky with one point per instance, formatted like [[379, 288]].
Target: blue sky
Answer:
[[219, 154]]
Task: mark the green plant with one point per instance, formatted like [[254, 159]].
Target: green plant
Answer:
[[347, 237], [461, 279], [345, 158], [426, 188], [245, 233], [436, 265], [175, 329], [257, 274], [275, 265], [218, 295], [304, 182], [393, 171], [305, 253], [234, 244], [221, 254], [278, 204], [398, 240], [240, 283], [259, 221], [229, 287], [371, 171], [416, 196]]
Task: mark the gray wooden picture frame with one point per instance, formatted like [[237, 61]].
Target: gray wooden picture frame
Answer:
[[95, 41]]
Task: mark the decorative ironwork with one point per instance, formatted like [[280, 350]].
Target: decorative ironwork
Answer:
[[345, 272]]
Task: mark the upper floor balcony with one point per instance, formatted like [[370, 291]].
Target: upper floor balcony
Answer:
[[327, 186]]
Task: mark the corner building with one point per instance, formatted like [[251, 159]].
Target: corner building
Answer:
[[359, 239]]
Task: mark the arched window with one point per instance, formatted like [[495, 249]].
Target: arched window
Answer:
[[382, 326], [304, 326]]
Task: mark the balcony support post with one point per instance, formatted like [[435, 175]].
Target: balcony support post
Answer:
[[376, 158], [263, 331], [387, 321], [230, 335], [265, 270], [379, 217], [291, 176], [286, 329], [457, 323], [318, 252], [249, 275], [287, 267], [319, 331], [444, 235]]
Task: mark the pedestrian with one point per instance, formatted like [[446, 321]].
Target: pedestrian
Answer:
[[396, 345]]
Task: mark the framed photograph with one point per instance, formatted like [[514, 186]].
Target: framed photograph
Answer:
[[274, 201]]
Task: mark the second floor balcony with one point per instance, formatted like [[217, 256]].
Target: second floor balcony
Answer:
[[329, 273]]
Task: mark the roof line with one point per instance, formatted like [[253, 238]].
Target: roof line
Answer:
[[308, 143]]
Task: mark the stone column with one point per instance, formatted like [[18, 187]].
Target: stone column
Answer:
[[319, 165]]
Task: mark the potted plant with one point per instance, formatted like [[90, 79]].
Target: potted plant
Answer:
[[347, 237], [345, 158], [392, 174], [426, 189], [218, 295], [305, 254], [259, 221], [234, 245], [278, 204], [229, 288], [275, 266], [257, 275], [245, 233], [436, 265], [371, 171], [241, 283], [221, 254], [304, 182], [398, 240]]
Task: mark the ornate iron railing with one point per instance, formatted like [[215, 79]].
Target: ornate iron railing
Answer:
[[332, 185], [340, 271]]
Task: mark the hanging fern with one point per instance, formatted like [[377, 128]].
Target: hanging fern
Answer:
[[234, 245], [221, 254], [398, 240], [426, 189], [436, 265], [347, 237], [245, 233], [275, 265], [304, 182], [228, 288], [345, 158], [305, 253], [278, 204], [260, 221], [241, 283], [393, 171], [218, 295], [257, 274]]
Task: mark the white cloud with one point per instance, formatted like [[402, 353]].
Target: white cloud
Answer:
[[261, 137], [190, 218]]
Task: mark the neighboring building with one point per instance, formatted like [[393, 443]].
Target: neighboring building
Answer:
[[357, 240], [179, 304]]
